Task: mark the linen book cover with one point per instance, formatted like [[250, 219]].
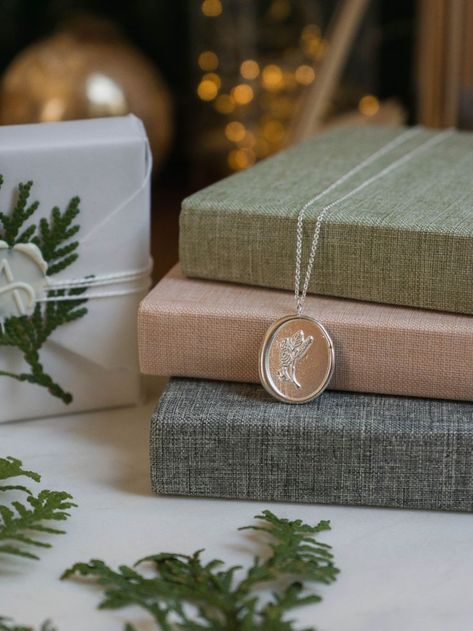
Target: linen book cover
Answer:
[[97, 173], [213, 330], [231, 440], [406, 238]]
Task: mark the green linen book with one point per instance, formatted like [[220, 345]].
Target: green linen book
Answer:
[[231, 440], [405, 239]]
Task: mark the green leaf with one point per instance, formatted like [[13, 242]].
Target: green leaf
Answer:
[[13, 468], [53, 237], [22, 522], [15, 487], [20, 213], [182, 592], [54, 234]]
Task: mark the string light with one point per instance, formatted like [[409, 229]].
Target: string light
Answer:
[[304, 74], [249, 69], [242, 94], [208, 60], [207, 90], [272, 77], [214, 78], [235, 131], [368, 105], [211, 8], [275, 93]]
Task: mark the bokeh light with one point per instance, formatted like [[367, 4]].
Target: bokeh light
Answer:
[[242, 94], [214, 78], [235, 131], [212, 8], [249, 69], [368, 105], [207, 90], [304, 74], [273, 78], [208, 60]]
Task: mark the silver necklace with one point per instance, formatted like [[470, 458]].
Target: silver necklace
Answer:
[[297, 356]]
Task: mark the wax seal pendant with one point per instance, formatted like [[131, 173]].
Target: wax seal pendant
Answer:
[[296, 359]]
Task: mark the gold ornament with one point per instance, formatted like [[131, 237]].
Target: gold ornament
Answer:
[[86, 70]]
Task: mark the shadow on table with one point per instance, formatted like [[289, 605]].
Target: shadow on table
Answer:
[[120, 438]]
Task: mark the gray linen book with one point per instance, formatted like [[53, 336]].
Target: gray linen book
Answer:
[[231, 440]]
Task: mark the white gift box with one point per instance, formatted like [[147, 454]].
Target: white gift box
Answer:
[[106, 162]]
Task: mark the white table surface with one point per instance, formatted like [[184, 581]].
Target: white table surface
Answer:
[[401, 570]]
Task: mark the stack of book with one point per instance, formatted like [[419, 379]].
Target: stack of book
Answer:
[[392, 283]]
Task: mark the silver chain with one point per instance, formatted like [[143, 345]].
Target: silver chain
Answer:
[[299, 295]]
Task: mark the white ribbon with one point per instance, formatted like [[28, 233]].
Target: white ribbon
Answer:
[[104, 280]]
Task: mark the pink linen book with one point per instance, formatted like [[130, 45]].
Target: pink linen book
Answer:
[[213, 330]]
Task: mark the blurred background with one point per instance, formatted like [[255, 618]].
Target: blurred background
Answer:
[[221, 84]]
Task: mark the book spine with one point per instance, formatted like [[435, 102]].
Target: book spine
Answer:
[[378, 349], [226, 440], [363, 262]]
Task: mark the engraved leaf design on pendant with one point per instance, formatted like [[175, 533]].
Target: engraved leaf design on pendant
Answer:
[[291, 350]]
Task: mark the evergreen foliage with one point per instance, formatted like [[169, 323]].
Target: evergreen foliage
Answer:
[[23, 524], [53, 238], [185, 593]]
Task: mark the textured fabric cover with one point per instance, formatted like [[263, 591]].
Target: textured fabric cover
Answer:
[[406, 239], [231, 440], [196, 328]]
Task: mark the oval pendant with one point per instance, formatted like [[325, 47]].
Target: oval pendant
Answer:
[[296, 359]]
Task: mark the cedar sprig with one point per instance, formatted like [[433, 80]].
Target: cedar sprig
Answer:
[[20, 213], [28, 334], [13, 468], [53, 237], [16, 534], [186, 593], [54, 233], [23, 524]]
